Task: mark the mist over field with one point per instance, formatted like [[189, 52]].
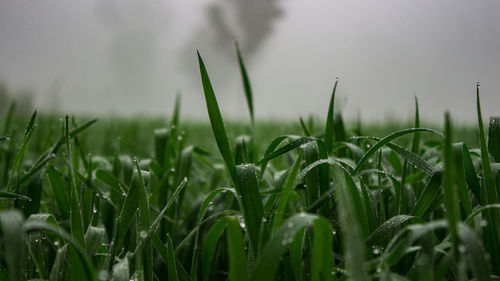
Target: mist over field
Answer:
[[130, 57]]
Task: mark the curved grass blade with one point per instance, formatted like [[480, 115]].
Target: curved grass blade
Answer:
[[12, 195], [285, 194], [216, 121], [82, 268], [20, 153], [296, 142], [329, 120], [386, 140], [246, 82], [387, 229], [268, 262], [431, 191], [210, 245]]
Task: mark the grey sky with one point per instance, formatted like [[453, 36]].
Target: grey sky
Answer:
[[126, 56]]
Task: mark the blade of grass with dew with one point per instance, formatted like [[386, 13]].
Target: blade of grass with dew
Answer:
[[236, 250], [351, 225], [463, 192], [268, 262], [322, 261], [171, 262], [20, 153], [82, 268], [474, 253], [329, 120], [76, 222], [11, 222], [429, 194], [389, 227], [386, 140], [253, 210], [494, 138], [13, 196], [144, 220], [210, 244], [449, 183], [217, 122], [310, 152], [285, 194], [492, 230], [294, 143]]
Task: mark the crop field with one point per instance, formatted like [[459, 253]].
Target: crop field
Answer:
[[317, 199]]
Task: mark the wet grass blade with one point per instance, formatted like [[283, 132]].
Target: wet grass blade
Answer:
[[268, 262], [431, 191], [322, 261], [20, 153], [285, 194], [210, 245], [386, 140], [351, 225], [216, 121], [253, 210], [171, 262], [13, 196], [11, 222], [449, 184], [236, 251], [494, 138]]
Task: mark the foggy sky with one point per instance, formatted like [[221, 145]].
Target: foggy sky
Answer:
[[126, 56]]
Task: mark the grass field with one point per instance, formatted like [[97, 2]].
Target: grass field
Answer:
[[316, 199]]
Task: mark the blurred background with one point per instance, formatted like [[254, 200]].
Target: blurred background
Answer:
[[127, 57]]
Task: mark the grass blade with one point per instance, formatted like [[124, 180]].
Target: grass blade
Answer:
[[236, 251], [329, 120], [253, 210], [216, 121]]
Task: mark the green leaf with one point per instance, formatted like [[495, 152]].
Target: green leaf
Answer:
[[285, 194], [473, 253], [268, 262], [20, 153], [449, 182], [236, 251], [210, 245], [216, 121], [322, 261], [171, 264], [253, 210], [329, 120], [494, 138], [387, 229], [386, 140], [349, 208], [431, 191], [13, 196], [82, 268], [13, 242], [246, 82]]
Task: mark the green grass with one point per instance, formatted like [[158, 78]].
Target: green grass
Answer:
[[169, 199]]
